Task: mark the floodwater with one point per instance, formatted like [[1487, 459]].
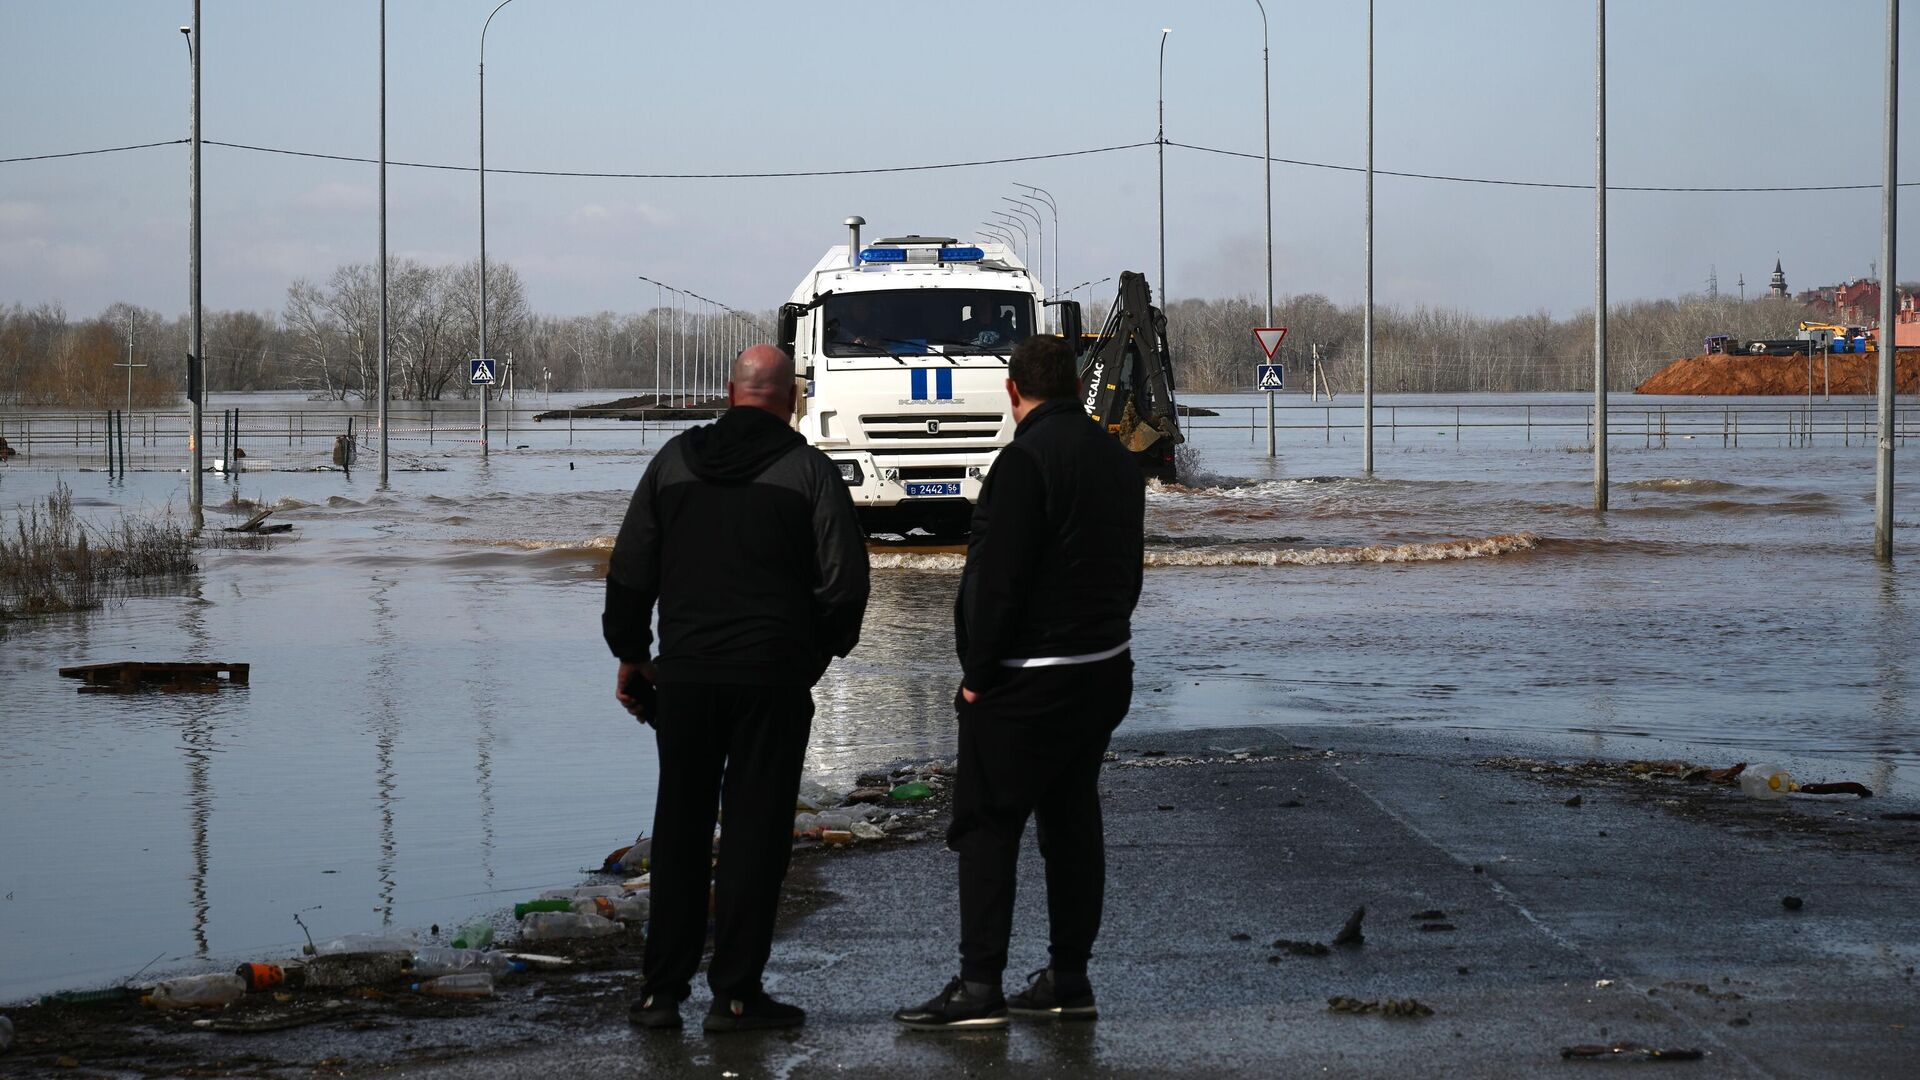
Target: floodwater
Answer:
[[430, 732]]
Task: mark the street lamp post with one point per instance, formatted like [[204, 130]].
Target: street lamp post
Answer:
[[1017, 225], [1266, 106], [1889, 302], [1047, 197], [1600, 256], [1366, 352], [1028, 211], [196, 369], [1160, 143], [485, 389]]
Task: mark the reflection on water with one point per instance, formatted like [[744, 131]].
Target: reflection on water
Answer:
[[445, 632], [385, 733]]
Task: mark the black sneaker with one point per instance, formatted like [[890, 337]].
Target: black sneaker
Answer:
[[1051, 997], [655, 1010], [955, 1008], [753, 1012]]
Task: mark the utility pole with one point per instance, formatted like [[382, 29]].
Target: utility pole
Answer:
[[1160, 145], [1889, 301], [196, 380], [1600, 257], [383, 244], [1366, 357]]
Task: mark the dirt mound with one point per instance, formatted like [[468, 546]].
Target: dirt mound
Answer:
[[1744, 375]]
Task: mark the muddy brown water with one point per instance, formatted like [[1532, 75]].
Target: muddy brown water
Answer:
[[430, 732]]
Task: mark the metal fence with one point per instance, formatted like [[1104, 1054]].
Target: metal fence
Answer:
[[158, 439], [305, 438], [1656, 426]]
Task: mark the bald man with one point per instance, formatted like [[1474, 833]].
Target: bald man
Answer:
[[746, 538]]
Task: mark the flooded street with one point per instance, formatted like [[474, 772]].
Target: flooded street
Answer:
[[430, 731]]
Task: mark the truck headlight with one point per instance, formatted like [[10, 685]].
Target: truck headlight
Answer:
[[850, 471]]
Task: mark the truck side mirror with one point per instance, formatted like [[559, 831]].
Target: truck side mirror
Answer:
[[1071, 327], [789, 325]]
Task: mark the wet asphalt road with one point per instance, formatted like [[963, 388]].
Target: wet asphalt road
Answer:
[[1651, 912]]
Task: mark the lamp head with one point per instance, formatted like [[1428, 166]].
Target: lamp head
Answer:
[[186, 29]]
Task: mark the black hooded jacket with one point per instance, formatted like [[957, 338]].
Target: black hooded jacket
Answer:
[[1054, 558], [747, 539]]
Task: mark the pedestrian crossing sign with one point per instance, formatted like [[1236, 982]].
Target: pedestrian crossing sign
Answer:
[[1272, 377], [481, 373]]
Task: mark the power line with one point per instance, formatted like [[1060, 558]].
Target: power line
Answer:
[[689, 176], [1529, 183], [84, 153], [801, 173]]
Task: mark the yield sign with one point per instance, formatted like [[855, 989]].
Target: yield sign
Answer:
[[1269, 338]]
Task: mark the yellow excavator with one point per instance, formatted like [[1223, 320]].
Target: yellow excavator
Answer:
[[1841, 339]]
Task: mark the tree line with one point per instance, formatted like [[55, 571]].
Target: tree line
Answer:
[[325, 342], [1427, 349]]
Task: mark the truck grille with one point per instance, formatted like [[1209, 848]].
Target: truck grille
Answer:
[[950, 426]]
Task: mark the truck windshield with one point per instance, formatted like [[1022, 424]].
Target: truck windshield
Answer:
[[913, 322]]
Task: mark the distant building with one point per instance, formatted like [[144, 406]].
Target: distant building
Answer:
[[1777, 286], [1853, 303]]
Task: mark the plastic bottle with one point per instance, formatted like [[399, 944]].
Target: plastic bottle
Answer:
[[623, 909], [349, 970], [550, 925], [835, 821], [109, 996], [1766, 782], [806, 824], [6, 1034], [472, 984], [475, 935], [520, 910], [400, 942], [198, 992], [431, 963]]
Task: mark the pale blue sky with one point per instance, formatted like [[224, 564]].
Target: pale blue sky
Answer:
[[1703, 92]]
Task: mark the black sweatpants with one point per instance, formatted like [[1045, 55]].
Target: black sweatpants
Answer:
[[741, 748], [1032, 746]]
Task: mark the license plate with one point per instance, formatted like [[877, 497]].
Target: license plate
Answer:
[[938, 487]]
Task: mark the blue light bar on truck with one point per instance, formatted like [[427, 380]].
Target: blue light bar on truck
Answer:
[[899, 255]]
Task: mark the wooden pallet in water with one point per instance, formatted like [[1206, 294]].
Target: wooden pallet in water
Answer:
[[126, 676]]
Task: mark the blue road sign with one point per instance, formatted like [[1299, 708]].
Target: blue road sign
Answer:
[[481, 373], [1273, 377]]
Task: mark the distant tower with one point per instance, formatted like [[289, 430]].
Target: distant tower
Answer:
[[1713, 282], [1777, 285], [1743, 288]]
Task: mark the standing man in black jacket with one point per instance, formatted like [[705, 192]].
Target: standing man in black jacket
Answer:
[[747, 538], [1043, 625]]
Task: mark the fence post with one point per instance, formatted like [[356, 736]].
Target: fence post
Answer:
[[1456, 423], [1529, 423]]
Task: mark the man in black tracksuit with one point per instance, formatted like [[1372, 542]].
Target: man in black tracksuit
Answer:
[[1043, 626], [746, 537]]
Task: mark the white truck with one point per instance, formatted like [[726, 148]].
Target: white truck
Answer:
[[903, 346]]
